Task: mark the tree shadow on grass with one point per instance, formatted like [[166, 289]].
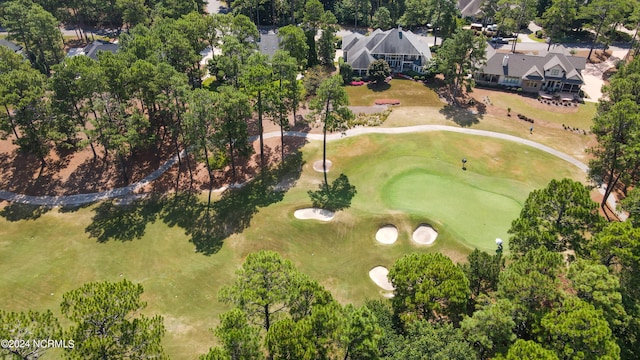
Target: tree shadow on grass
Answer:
[[17, 212], [206, 226], [232, 213], [461, 116], [335, 196], [123, 222], [375, 87]]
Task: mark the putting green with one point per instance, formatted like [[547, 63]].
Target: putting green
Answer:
[[475, 214], [403, 180]]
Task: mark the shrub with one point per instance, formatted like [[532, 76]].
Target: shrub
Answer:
[[346, 72], [363, 119]]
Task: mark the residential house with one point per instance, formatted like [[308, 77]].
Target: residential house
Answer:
[[401, 49], [94, 48], [470, 8], [550, 71], [269, 43], [13, 46]]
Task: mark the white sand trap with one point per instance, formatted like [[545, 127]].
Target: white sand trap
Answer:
[[317, 166], [424, 235], [314, 214], [379, 276], [387, 234]]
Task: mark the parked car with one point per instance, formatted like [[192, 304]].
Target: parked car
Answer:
[[499, 40]]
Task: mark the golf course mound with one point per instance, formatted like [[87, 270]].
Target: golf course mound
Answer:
[[379, 276], [314, 214], [424, 234], [317, 166], [387, 234]]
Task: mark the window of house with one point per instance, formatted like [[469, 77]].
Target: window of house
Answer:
[[510, 80], [555, 72]]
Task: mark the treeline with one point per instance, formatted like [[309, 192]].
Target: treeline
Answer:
[[568, 290], [113, 14], [150, 93]]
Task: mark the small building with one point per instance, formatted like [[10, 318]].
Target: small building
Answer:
[[401, 49], [549, 71], [94, 48]]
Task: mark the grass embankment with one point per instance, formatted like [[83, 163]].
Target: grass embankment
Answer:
[[409, 92], [405, 180], [581, 118]]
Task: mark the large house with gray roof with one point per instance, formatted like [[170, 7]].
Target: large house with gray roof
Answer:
[[550, 71], [401, 49], [94, 48], [11, 45]]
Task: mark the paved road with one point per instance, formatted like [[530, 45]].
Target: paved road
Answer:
[[79, 199]]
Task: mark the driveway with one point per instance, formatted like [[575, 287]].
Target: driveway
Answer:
[[214, 6]]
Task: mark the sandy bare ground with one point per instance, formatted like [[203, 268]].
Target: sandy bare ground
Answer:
[[314, 214], [379, 275], [317, 166], [424, 235], [387, 234]]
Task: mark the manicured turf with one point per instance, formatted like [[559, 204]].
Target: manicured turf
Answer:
[[405, 180], [571, 143], [410, 93], [482, 211], [582, 118]]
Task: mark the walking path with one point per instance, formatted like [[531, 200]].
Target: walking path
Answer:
[[79, 199]]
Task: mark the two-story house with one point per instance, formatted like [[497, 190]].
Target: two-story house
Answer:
[[401, 49], [551, 71]]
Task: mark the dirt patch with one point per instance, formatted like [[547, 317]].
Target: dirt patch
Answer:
[[320, 165], [387, 102], [608, 74], [597, 56], [68, 172]]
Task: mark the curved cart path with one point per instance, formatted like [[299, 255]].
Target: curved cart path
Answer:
[[79, 199]]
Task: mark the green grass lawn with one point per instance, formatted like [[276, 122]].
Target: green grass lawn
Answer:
[[405, 180], [533, 37], [410, 93], [582, 118], [554, 136]]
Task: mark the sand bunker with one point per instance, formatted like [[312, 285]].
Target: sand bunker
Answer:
[[387, 234], [424, 235], [314, 214], [317, 166], [379, 276]]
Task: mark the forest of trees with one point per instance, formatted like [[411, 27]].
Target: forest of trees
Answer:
[[568, 289]]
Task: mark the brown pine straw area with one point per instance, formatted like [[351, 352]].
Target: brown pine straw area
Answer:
[[77, 172]]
